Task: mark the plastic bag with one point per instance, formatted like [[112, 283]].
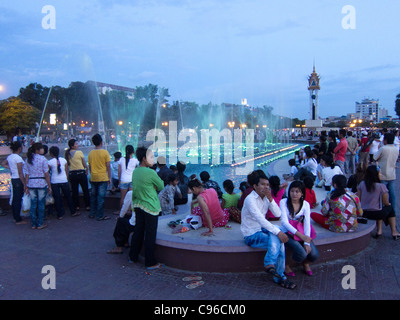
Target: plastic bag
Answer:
[[26, 204], [49, 199]]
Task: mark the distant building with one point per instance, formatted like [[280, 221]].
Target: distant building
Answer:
[[103, 88], [368, 110]]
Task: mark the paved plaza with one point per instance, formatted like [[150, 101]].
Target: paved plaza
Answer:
[[76, 248]]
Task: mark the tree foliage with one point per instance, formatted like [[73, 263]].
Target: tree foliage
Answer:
[[16, 115]]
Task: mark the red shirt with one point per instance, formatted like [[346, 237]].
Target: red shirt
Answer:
[[340, 150], [311, 198]]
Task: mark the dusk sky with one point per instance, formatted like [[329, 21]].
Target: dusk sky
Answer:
[[210, 51]]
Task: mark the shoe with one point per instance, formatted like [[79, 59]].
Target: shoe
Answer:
[[378, 236], [309, 273], [290, 274], [42, 227], [395, 238]]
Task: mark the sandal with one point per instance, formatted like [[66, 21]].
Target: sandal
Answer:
[[195, 284], [192, 278], [287, 284], [272, 271], [157, 266]]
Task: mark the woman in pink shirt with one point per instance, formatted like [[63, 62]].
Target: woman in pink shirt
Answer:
[[209, 207]]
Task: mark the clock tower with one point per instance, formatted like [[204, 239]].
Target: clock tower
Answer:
[[313, 88]]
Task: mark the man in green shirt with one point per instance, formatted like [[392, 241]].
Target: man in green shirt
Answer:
[[145, 185]]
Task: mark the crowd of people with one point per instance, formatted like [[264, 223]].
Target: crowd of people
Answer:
[[357, 174]]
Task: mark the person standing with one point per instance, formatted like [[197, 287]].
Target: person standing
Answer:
[[387, 158], [78, 171], [100, 177], [350, 155], [15, 164], [37, 180], [59, 183], [126, 165], [146, 204], [340, 150]]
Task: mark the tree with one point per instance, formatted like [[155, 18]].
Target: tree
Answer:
[[398, 105], [16, 115]]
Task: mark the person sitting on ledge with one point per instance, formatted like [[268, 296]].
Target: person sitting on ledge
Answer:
[[374, 197], [296, 212], [340, 209], [125, 226], [258, 232], [207, 183], [209, 207]]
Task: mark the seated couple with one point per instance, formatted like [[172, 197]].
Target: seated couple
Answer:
[[258, 232]]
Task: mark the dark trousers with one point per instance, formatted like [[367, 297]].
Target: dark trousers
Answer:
[[145, 231], [57, 188], [122, 231], [79, 178], [18, 192]]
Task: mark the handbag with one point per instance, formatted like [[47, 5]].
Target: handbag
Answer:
[[300, 228]]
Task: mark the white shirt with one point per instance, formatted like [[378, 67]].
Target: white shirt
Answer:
[[13, 160], [55, 176], [126, 173], [253, 215], [311, 165], [328, 173], [126, 206], [304, 211]]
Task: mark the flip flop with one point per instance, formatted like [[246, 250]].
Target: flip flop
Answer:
[[195, 284], [192, 278], [155, 267]]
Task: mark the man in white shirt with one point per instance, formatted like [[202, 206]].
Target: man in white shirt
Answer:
[[258, 232]]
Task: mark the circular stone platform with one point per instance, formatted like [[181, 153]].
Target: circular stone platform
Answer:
[[227, 252]]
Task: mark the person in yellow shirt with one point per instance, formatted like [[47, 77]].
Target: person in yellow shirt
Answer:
[[100, 177], [78, 171]]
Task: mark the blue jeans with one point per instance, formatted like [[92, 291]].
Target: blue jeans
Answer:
[[275, 249], [98, 193], [299, 253], [38, 201], [392, 195]]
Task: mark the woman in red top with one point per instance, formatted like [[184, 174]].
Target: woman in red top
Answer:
[[209, 207], [310, 196]]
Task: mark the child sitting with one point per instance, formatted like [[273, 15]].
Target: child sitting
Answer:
[[293, 169], [167, 195], [229, 199], [310, 196], [277, 192], [114, 172]]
